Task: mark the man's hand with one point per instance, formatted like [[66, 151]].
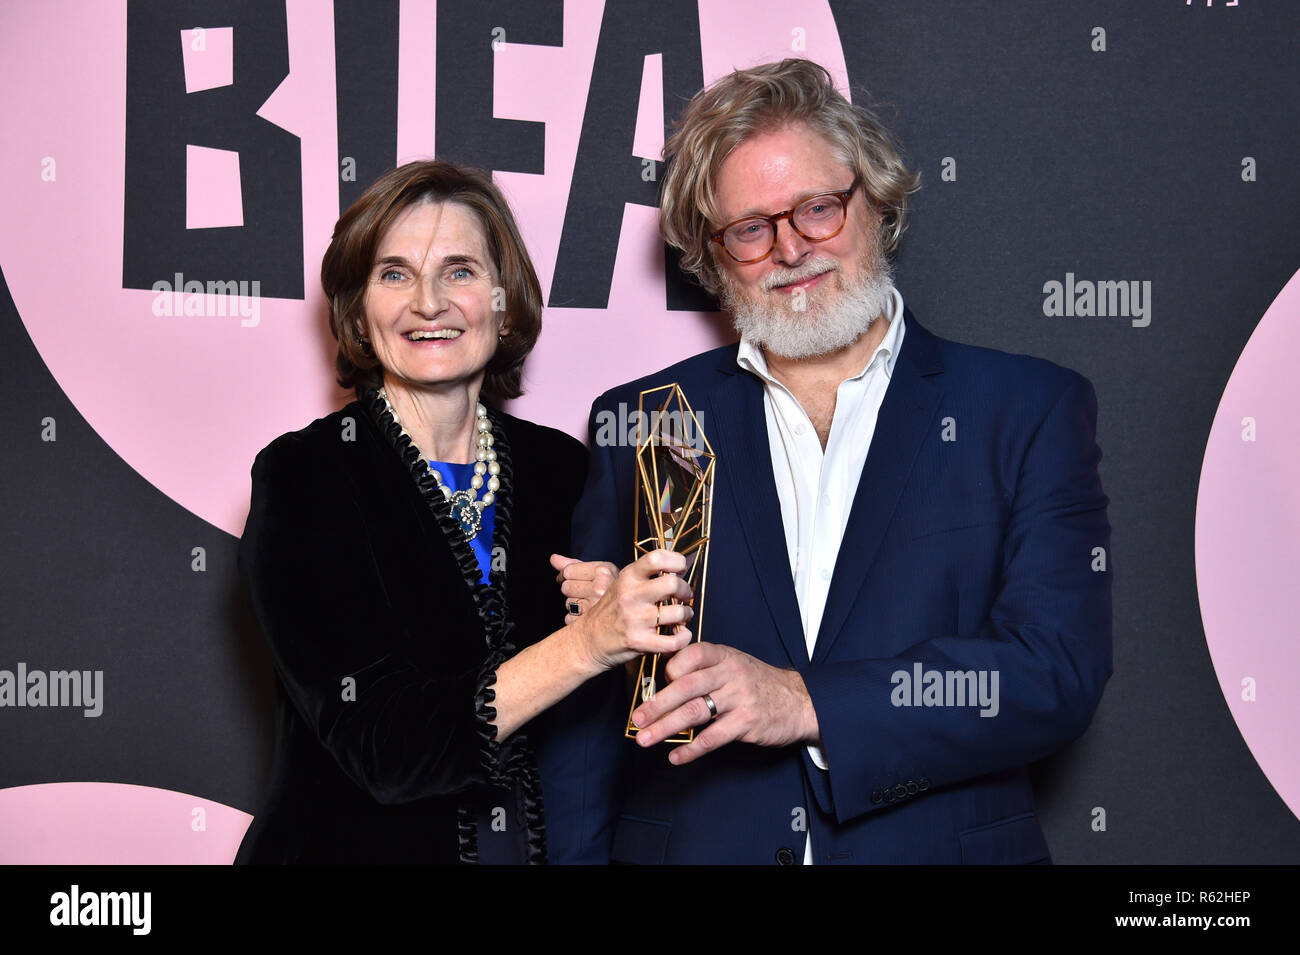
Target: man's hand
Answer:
[[756, 703], [581, 581]]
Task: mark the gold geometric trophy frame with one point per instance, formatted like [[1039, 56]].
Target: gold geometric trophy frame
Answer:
[[674, 511]]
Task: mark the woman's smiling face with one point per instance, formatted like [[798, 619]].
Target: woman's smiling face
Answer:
[[429, 303]]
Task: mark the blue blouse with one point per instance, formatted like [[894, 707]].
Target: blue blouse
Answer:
[[457, 477]]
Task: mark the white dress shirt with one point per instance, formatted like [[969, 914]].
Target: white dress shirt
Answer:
[[815, 487]]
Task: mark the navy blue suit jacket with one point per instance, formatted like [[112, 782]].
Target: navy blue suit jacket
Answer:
[[972, 546]]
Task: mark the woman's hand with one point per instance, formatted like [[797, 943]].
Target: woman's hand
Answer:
[[624, 622], [583, 581], [616, 625]]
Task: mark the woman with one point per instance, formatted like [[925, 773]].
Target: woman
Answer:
[[397, 551]]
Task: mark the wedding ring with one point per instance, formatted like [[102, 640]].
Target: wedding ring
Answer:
[[574, 607], [713, 707], [656, 616]]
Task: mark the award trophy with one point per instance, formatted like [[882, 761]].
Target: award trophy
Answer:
[[674, 490]]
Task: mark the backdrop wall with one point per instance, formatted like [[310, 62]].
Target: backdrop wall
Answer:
[[169, 176]]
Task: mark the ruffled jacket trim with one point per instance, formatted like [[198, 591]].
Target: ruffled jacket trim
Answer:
[[515, 764]]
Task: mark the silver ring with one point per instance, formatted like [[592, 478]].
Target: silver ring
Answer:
[[713, 707], [574, 607]]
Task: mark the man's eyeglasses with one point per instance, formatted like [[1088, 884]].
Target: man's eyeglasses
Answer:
[[817, 218]]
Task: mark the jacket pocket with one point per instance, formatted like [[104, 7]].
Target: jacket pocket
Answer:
[[1015, 841], [640, 841]]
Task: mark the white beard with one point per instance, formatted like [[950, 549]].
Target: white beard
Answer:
[[819, 329]]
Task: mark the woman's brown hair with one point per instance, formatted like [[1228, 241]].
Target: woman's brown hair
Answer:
[[345, 269]]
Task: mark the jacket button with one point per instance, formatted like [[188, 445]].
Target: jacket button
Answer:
[[923, 783], [785, 856], [900, 791], [912, 788], [876, 798], [889, 796]]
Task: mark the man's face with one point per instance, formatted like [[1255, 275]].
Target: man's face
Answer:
[[807, 298]]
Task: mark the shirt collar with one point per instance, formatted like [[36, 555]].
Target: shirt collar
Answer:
[[751, 358]]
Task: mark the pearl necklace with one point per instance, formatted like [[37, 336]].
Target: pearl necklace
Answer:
[[466, 507]]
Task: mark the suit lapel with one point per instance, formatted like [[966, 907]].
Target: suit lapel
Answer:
[[905, 420], [738, 427]]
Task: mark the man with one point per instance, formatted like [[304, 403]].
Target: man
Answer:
[[908, 599]]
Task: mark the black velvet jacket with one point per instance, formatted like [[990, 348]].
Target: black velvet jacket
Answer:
[[386, 642]]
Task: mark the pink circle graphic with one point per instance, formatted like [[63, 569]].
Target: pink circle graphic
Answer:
[[1248, 543], [188, 400], [115, 824]]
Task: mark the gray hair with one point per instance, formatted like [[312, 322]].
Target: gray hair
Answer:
[[722, 116]]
